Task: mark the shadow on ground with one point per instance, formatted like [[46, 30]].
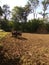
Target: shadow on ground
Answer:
[[22, 38]]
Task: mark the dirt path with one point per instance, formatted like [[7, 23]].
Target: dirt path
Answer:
[[33, 48]]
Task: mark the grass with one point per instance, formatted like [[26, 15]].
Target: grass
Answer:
[[2, 34]]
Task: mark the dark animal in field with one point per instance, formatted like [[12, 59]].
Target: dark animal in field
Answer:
[[16, 33]]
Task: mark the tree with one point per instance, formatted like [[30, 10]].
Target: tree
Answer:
[[33, 6], [1, 11], [20, 13], [6, 11], [17, 13], [45, 4], [26, 11]]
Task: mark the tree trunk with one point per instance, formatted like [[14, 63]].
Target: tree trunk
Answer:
[[34, 13]]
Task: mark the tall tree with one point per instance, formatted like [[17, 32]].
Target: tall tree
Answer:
[[17, 13], [33, 6], [45, 4], [1, 11], [20, 13], [6, 11], [26, 11]]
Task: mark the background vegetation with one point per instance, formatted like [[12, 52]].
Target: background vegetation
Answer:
[[19, 21]]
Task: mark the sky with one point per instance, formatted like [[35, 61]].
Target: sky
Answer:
[[13, 3], [22, 3]]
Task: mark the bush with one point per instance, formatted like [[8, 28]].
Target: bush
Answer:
[[5, 25], [10, 25], [30, 26], [47, 26], [16, 26], [33, 25]]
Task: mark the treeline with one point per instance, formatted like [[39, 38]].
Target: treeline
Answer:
[[32, 26], [19, 16]]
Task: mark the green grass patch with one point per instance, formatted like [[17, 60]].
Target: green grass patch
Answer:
[[3, 34]]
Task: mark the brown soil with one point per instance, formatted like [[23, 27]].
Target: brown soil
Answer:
[[33, 49]]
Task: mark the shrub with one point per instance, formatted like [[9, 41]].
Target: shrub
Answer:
[[16, 26], [47, 26], [4, 25]]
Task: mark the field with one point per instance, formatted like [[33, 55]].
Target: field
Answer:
[[29, 49]]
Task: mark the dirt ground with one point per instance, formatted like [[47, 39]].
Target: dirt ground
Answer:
[[32, 48]]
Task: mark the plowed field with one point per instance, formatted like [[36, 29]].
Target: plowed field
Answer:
[[33, 49]]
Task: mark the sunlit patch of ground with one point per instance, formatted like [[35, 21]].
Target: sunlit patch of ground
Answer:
[[3, 34]]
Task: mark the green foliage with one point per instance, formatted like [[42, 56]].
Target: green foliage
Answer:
[[5, 25], [6, 11], [16, 25], [17, 13], [20, 13], [47, 26], [35, 25], [1, 11], [10, 25], [31, 25]]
